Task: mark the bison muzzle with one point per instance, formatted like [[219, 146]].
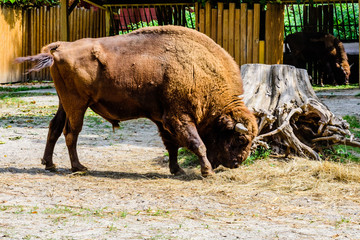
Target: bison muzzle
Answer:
[[179, 78]]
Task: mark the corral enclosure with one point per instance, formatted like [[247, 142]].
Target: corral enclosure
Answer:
[[251, 33]]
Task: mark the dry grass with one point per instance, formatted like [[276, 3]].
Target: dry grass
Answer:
[[330, 180]]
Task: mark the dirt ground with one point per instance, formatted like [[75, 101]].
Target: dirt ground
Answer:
[[130, 194]]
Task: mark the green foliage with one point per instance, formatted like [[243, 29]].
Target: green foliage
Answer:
[[259, 153], [29, 3], [345, 18], [354, 125], [343, 153]]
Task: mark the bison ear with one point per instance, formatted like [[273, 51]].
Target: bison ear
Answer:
[[227, 122]]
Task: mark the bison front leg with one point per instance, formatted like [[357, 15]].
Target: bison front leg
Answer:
[[56, 127], [72, 129], [189, 137]]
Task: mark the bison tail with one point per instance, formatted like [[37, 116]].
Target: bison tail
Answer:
[[42, 60], [51, 47], [287, 48]]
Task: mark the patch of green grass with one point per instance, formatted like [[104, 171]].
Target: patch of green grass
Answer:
[[259, 153], [6, 96], [343, 153], [341, 221], [58, 210], [112, 228], [23, 88], [160, 212], [186, 158], [337, 87]]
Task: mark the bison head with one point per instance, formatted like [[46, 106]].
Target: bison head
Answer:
[[230, 140], [343, 71]]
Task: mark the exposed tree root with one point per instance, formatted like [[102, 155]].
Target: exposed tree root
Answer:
[[291, 118]]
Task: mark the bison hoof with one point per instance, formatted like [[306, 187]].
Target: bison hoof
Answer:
[[51, 168], [79, 169], [207, 173], [179, 172]]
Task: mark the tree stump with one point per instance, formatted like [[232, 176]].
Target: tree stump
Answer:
[[291, 119]]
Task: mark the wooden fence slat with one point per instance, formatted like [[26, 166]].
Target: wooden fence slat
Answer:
[[225, 44], [208, 19], [256, 33], [196, 16], [220, 7], [2, 50], [24, 43], [243, 18], [41, 37], [231, 28], [82, 20], [37, 17], [281, 15], [87, 23], [71, 25], [213, 24], [237, 44], [202, 20], [91, 20], [261, 51], [267, 33], [249, 40]]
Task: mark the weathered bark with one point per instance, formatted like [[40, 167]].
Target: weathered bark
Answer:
[[291, 118]]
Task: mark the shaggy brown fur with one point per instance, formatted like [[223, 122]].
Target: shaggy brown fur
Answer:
[[324, 48], [177, 77]]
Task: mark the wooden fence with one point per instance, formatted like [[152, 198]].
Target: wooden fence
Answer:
[[238, 30], [25, 32], [11, 29]]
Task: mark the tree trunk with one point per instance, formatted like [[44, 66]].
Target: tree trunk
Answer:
[[291, 118]]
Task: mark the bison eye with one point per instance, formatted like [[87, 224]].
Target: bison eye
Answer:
[[243, 140]]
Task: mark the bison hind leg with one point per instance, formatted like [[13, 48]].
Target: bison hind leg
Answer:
[[172, 148], [55, 129]]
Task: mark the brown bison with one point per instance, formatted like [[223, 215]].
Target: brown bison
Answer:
[[323, 48], [177, 77]]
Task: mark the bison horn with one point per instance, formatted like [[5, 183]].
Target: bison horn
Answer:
[[240, 128]]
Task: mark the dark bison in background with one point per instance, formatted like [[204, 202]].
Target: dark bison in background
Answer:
[[323, 48], [179, 78]]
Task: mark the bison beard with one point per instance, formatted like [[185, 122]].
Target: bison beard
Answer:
[[177, 77]]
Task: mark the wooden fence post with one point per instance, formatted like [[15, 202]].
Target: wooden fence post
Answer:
[[219, 38], [256, 33], [243, 18], [107, 21], [64, 32]]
